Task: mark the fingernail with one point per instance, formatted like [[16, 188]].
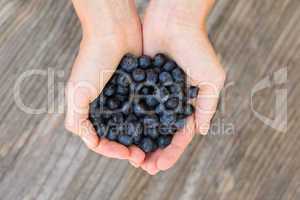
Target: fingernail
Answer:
[[134, 164], [86, 141]]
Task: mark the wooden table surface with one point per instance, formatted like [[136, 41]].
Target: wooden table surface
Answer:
[[243, 157]]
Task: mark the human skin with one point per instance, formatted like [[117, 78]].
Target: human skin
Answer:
[[111, 29], [177, 28]]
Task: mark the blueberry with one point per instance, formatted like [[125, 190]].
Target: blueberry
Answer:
[[146, 90], [146, 144], [121, 98], [163, 93], [159, 60], [167, 129], [101, 130], [129, 63], [151, 132], [163, 141], [165, 77], [180, 123], [126, 108], [134, 129], [189, 110], [139, 109], [137, 139], [193, 92], [169, 66], [172, 103], [123, 79], [160, 109], [138, 75], [105, 115], [131, 118], [113, 103], [122, 90], [112, 134], [151, 121], [167, 119], [175, 89], [145, 61], [109, 90], [113, 79], [178, 75], [125, 140], [117, 118], [151, 101], [151, 76]]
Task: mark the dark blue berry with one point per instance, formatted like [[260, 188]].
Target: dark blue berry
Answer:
[[126, 108], [101, 130], [165, 77], [146, 90], [113, 103], [125, 139], [167, 119], [164, 140], [169, 66], [163, 93], [189, 110], [145, 61], [172, 103], [123, 79], [139, 109], [151, 76], [131, 118], [151, 101], [193, 92], [151, 132], [146, 144], [129, 63], [151, 121], [122, 90], [121, 98], [109, 90], [112, 134], [175, 89], [178, 75], [159, 60], [138, 75], [117, 118], [167, 129], [160, 109], [180, 123]]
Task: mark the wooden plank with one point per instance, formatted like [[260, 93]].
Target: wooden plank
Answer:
[[40, 160]]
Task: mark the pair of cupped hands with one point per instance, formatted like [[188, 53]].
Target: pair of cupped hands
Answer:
[[112, 28]]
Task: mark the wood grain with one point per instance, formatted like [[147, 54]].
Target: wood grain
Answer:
[[40, 160]]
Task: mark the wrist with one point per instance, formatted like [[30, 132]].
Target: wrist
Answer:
[[102, 18], [191, 14]]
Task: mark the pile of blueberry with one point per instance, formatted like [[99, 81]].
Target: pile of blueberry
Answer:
[[144, 103]]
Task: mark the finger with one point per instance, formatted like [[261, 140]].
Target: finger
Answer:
[[77, 115], [206, 105], [150, 164], [168, 156], [137, 156], [112, 150]]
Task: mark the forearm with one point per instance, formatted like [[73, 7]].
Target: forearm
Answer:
[[190, 12], [100, 17]]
